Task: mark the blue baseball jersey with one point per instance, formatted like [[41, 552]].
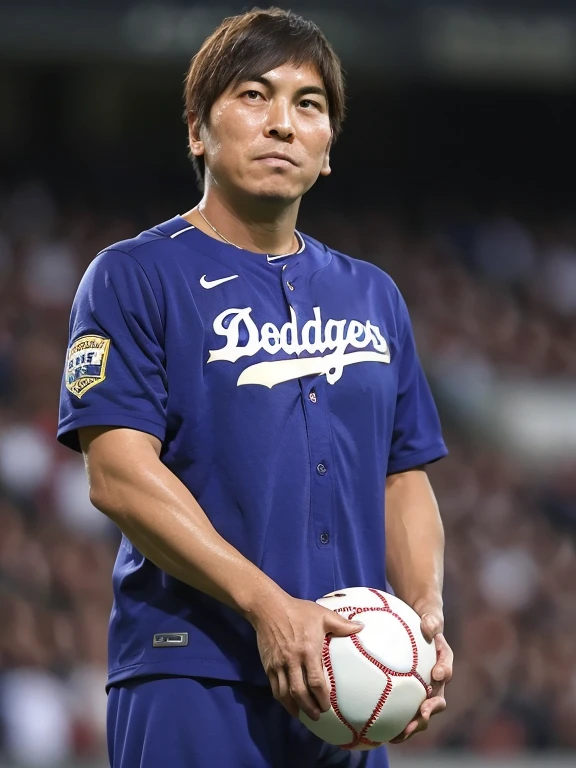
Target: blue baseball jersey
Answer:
[[283, 390]]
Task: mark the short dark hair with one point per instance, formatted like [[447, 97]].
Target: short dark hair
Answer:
[[244, 47]]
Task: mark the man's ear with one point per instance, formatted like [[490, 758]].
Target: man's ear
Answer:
[[326, 170], [196, 144]]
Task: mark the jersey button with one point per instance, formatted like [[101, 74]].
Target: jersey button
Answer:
[[290, 285], [321, 469], [324, 538], [312, 396]]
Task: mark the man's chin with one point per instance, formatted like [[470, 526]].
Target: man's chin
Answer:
[[275, 194]]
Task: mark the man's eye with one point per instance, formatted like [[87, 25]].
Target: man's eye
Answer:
[[252, 95], [307, 103]]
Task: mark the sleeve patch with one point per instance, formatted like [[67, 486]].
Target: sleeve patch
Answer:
[[86, 364]]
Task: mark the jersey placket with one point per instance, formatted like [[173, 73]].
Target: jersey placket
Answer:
[[317, 418]]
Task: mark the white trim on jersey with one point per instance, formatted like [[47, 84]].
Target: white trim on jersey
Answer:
[[272, 259], [186, 229], [269, 259]]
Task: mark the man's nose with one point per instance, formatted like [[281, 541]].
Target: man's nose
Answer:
[[280, 123]]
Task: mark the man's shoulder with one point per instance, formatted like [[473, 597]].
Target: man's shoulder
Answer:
[[148, 246], [354, 267]]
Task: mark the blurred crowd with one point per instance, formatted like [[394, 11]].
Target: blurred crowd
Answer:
[[491, 294], [489, 290]]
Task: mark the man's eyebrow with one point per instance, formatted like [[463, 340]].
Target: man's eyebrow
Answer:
[[302, 91]]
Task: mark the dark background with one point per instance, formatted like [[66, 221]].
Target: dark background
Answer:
[[455, 173]]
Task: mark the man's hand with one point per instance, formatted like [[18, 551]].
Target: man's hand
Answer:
[[432, 626], [290, 639]]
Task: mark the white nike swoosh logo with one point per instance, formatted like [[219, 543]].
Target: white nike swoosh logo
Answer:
[[213, 283]]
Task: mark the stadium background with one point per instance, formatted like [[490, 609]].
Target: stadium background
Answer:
[[455, 173]]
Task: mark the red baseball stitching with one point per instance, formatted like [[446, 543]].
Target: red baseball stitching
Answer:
[[375, 714], [348, 609], [333, 700], [360, 737], [352, 612], [427, 688], [382, 667], [380, 596]]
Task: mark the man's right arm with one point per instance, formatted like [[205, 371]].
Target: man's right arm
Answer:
[[151, 506], [162, 519]]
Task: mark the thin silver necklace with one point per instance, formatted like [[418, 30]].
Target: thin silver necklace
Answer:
[[213, 228]]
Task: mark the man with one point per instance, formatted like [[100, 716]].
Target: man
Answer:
[[248, 402]]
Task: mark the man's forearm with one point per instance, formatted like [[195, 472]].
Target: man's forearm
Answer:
[[163, 520], [414, 540]]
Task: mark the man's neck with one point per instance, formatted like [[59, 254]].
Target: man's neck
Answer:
[[262, 229]]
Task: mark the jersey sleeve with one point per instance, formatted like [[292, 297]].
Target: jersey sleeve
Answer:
[[417, 435], [114, 373]]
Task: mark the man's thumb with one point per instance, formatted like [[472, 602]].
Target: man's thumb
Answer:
[[338, 626], [430, 626]]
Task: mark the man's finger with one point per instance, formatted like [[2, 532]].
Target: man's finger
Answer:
[[443, 649], [274, 684], [299, 692], [433, 706], [315, 679], [442, 671], [415, 726], [281, 684], [281, 692], [430, 626], [438, 673], [338, 626], [430, 707], [290, 706]]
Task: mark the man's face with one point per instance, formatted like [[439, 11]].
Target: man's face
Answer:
[[284, 112]]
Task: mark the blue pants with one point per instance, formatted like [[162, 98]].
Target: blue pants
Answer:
[[184, 722]]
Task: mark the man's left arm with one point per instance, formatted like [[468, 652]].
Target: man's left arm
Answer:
[[415, 570]]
